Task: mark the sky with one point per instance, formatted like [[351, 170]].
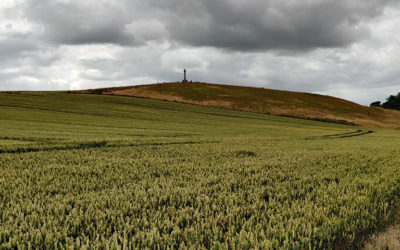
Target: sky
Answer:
[[346, 48]]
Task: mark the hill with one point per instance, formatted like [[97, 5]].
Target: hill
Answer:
[[261, 100]]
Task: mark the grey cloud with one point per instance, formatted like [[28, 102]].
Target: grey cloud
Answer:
[[275, 24], [228, 24], [13, 47], [80, 22]]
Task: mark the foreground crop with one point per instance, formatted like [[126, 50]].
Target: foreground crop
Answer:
[[115, 171]]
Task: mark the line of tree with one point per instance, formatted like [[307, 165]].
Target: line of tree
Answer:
[[392, 102]]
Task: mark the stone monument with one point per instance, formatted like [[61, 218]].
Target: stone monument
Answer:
[[184, 76]]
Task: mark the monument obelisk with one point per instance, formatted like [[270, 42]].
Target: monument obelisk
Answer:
[[184, 76]]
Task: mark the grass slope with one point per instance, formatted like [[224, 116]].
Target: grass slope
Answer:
[[260, 100], [98, 171]]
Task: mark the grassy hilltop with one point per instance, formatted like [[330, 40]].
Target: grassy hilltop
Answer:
[[260, 100], [105, 171]]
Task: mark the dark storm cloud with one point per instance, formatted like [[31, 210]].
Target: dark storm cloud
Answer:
[[80, 22], [274, 24], [228, 24]]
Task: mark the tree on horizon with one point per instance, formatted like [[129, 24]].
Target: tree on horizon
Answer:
[[392, 102]]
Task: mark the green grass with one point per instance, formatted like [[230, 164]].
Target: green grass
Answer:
[[91, 170]]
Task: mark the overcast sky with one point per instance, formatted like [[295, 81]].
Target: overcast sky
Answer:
[[344, 48]]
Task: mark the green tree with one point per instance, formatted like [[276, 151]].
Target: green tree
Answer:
[[392, 102], [375, 104]]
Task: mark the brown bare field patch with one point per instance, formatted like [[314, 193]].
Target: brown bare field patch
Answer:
[[389, 239]]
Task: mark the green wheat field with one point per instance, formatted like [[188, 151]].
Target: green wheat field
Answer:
[[120, 172]]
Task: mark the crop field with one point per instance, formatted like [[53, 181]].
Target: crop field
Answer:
[[107, 172]]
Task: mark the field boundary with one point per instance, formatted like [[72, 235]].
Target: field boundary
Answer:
[[358, 132], [101, 144]]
